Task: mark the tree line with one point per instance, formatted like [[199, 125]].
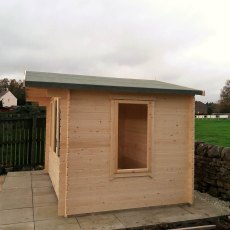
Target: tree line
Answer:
[[223, 104], [18, 89]]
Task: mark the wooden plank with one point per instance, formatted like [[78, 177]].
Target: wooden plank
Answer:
[[57, 92], [64, 149], [132, 96], [48, 133], [90, 116], [54, 171], [190, 150], [82, 206], [35, 92], [90, 109], [114, 138]]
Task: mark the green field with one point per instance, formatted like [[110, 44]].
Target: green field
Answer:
[[213, 131]]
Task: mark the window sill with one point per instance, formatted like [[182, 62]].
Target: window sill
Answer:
[[127, 173]]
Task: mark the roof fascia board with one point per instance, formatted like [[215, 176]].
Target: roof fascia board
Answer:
[[113, 88]]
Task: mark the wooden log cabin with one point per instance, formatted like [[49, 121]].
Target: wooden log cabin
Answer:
[[114, 143]]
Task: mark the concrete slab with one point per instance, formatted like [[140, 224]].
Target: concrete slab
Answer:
[[45, 212], [150, 216], [99, 221], [15, 198], [38, 172], [37, 177], [137, 217], [14, 216], [41, 183], [45, 200], [12, 182], [175, 213], [179, 217], [17, 174], [204, 211], [60, 224], [39, 191], [166, 211], [18, 192], [18, 226]]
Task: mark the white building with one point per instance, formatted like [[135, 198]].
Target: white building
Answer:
[[8, 99]]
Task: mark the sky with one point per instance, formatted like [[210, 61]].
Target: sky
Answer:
[[178, 41]]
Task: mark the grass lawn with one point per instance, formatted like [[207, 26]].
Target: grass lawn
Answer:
[[213, 131]]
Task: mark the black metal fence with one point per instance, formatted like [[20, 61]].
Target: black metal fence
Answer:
[[22, 140]]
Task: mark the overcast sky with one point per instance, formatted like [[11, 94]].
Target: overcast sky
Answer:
[[179, 41]]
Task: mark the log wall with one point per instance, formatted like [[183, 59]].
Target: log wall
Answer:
[[90, 187]]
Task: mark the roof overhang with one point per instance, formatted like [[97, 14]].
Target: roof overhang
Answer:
[[57, 80]]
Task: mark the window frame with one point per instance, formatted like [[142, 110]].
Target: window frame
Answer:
[[115, 172], [55, 126]]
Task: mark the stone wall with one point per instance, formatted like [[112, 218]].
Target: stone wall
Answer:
[[212, 170]]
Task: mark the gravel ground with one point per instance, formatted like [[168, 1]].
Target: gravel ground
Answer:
[[223, 206]]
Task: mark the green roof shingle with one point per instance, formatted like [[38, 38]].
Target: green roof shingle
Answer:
[[59, 80]]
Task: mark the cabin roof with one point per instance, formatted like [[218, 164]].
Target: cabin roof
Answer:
[[3, 93], [59, 80]]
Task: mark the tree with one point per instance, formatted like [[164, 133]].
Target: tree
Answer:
[[16, 88], [4, 83], [225, 98], [210, 107]]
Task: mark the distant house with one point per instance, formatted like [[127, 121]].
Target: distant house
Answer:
[[201, 108], [7, 99]]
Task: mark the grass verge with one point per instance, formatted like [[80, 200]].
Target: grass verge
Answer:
[[213, 131]]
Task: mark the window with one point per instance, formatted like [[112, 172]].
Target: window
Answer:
[[131, 136], [55, 126]]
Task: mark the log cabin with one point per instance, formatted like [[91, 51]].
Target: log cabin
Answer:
[[116, 143]]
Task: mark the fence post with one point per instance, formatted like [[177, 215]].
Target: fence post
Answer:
[[33, 141]]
